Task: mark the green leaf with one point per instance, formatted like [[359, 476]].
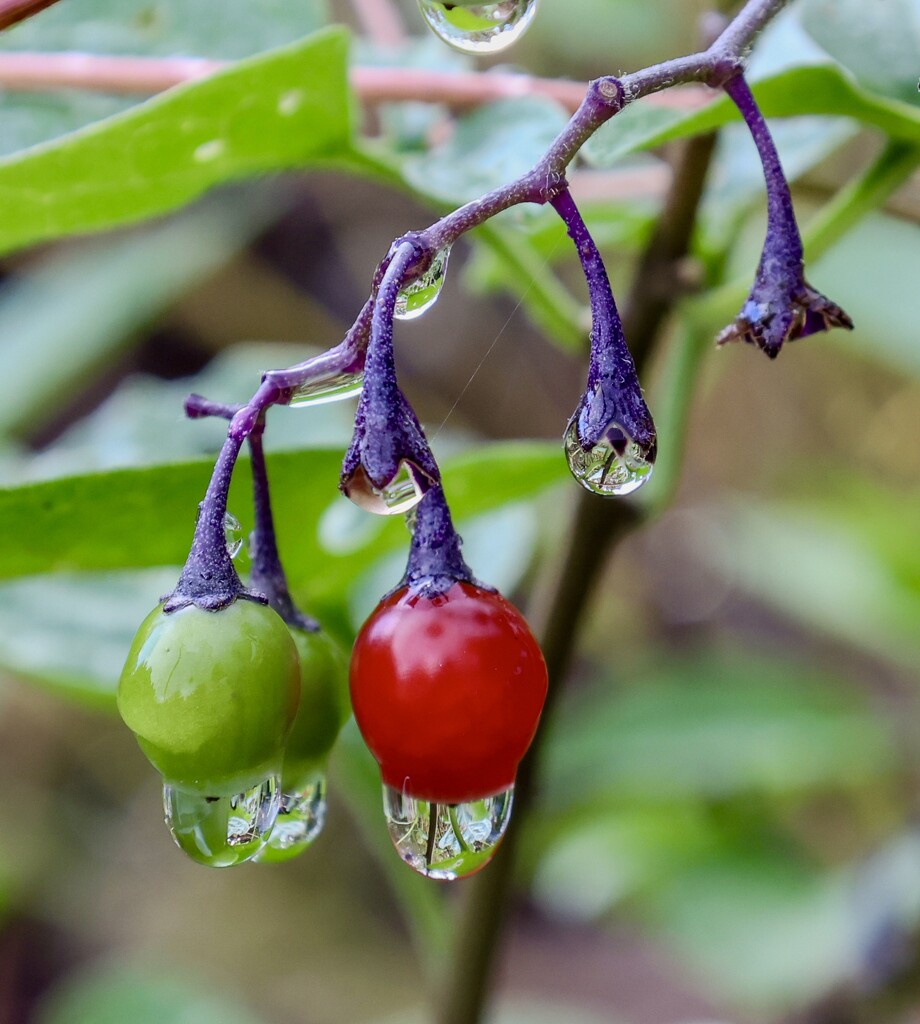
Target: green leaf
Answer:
[[168, 28], [71, 633], [141, 423], [70, 630], [713, 728], [790, 77], [514, 265], [151, 28], [118, 994], [493, 145], [761, 929], [735, 180], [878, 296], [821, 572], [879, 43], [27, 119], [823, 90], [149, 513], [288, 108], [77, 309], [600, 856]]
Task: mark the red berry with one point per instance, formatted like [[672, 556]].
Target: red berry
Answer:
[[447, 691]]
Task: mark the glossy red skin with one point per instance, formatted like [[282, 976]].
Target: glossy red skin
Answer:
[[447, 692]]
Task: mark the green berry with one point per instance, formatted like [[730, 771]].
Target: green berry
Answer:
[[324, 707], [324, 704], [211, 695]]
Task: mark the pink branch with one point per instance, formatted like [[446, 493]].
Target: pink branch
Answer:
[[148, 75]]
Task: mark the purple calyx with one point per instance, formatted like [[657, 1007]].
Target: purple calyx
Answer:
[[209, 578], [435, 562], [782, 306], [388, 440]]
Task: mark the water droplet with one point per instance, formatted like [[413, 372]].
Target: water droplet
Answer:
[[403, 492], [210, 150], [423, 293], [616, 465], [482, 28], [446, 841], [222, 830], [290, 102], [233, 533], [301, 817], [334, 388]]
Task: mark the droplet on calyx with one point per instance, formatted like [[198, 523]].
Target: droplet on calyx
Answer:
[[422, 294], [334, 388], [222, 830], [402, 493], [301, 816], [446, 841], [481, 28], [233, 533], [615, 466]]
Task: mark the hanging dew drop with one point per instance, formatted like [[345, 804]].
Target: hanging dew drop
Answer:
[[401, 494], [479, 28], [301, 816], [233, 533], [222, 830], [615, 466], [423, 293], [334, 388], [446, 841]]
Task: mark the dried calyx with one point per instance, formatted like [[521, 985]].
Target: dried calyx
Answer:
[[782, 306]]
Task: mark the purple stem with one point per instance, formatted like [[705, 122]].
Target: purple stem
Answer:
[[782, 306], [346, 357], [380, 363], [613, 394], [209, 578], [781, 223], [387, 431], [197, 407], [605, 97], [435, 560], [268, 575]]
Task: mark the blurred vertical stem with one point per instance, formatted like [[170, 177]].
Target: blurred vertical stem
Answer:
[[598, 525]]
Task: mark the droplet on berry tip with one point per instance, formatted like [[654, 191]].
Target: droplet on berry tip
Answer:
[[334, 388], [301, 816], [422, 294], [446, 841], [480, 28], [615, 466], [402, 493], [233, 533], [222, 830]]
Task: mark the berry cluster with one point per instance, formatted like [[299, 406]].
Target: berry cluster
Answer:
[[237, 697]]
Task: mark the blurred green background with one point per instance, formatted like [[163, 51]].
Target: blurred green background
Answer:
[[727, 827]]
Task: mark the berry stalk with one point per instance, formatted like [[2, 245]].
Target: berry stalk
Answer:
[[209, 578], [605, 97], [782, 306]]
